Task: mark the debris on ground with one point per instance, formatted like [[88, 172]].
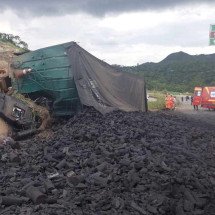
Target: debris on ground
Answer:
[[118, 163]]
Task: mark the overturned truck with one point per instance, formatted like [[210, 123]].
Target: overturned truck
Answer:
[[17, 114], [65, 77]]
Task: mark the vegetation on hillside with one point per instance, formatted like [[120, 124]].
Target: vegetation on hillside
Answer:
[[179, 72], [14, 40]]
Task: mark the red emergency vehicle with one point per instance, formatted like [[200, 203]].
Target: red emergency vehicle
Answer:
[[197, 97], [204, 96]]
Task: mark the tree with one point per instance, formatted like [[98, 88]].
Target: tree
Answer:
[[15, 40]]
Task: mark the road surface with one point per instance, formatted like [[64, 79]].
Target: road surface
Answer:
[[201, 117]]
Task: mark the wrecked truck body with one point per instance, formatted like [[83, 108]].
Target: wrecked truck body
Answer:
[[15, 111], [66, 76], [51, 78], [61, 79], [18, 116]]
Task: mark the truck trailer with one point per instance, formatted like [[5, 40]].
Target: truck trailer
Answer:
[[60, 80]]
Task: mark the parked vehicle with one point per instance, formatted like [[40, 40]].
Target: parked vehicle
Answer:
[[204, 96]]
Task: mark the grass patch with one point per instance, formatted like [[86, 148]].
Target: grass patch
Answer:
[[159, 102]]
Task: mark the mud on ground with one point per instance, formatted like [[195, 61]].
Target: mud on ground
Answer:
[[121, 163]]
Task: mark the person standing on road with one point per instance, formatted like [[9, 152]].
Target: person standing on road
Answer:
[[172, 102], [168, 101], [182, 98], [191, 99], [196, 107], [195, 101]]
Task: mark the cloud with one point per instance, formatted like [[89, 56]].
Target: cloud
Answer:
[[94, 7], [124, 38]]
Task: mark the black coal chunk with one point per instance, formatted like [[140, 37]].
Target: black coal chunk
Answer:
[[119, 163]]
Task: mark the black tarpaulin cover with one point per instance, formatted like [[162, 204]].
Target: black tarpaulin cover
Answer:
[[101, 86]]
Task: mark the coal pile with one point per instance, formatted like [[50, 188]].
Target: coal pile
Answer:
[[120, 163]]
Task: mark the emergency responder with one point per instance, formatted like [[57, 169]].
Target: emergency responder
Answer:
[[167, 99], [196, 107], [172, 102], [191, 100]]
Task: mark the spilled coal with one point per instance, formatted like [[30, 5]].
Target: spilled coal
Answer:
[[120, 163]]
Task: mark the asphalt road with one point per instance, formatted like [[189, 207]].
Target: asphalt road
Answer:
[[202, 116]]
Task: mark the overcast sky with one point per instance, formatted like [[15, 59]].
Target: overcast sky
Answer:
[[123, 32]]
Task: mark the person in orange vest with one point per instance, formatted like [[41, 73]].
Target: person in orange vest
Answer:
[[167, 101], [172, 102]]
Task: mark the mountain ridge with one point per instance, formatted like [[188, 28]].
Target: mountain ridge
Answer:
[[179, 72]]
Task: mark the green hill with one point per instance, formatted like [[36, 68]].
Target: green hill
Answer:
[[8, 47], [11, 43], [179, 72]]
